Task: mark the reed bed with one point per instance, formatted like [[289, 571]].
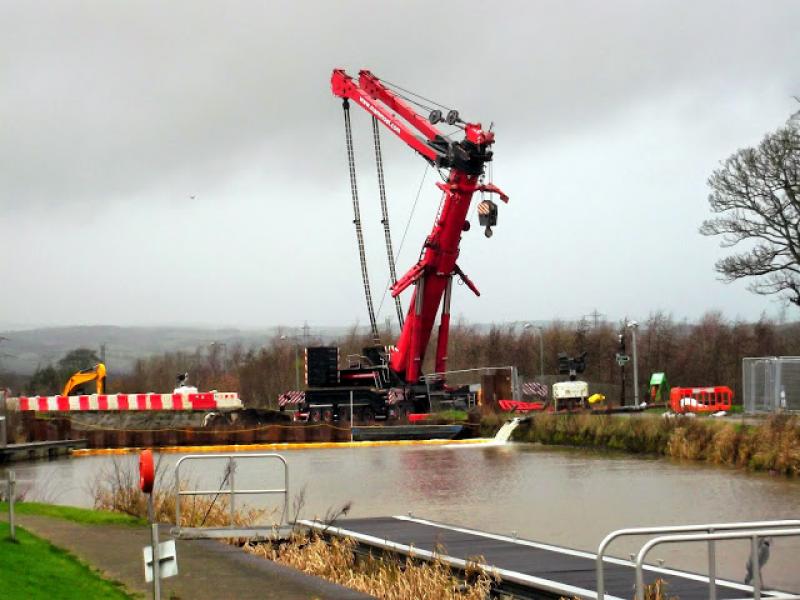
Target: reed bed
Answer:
[[382, 577], [116, 489], [773, 445]]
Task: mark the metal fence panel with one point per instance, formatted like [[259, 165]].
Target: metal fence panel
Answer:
[[771, 384]]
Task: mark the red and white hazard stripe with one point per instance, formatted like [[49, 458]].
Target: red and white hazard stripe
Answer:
[[125, 402], [291, 398]]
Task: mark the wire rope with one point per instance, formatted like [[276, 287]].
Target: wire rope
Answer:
[[405, 232]]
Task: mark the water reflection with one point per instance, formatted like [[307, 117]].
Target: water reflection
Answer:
[[568, 497]]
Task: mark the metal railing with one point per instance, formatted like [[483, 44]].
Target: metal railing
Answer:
[[232, 530], [708, 528], [752, 534]]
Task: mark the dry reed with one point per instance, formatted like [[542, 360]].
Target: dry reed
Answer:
[[382, 577], [116, 488], [772, 445]]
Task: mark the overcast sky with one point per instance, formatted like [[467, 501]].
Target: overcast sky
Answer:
[[184, 162]]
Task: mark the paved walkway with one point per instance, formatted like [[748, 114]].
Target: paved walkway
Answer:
[[207, 569]]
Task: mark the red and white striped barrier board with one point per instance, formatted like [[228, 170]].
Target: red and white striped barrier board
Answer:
[[124, 402], [291, 398]]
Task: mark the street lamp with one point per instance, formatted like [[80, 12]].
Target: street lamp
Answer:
[[538, 331], [294, 339], [634, 326]]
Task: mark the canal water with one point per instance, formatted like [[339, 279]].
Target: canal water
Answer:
[[562, 496]]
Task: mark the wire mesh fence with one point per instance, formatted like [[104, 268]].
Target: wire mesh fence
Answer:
[[771, 384]]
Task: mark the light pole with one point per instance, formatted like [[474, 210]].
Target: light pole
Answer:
[[538, 331], [294, 339], [634, 326]]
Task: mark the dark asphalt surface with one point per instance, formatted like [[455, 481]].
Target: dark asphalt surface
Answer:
[[207, 569]]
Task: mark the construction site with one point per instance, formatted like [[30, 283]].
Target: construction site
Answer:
[[460, 420]]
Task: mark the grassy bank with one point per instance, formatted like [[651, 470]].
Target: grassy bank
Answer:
[[773, 445], [33, 568], [71, 513]]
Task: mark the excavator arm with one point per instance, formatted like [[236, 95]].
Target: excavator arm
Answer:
[[96, 373], [433, 274]]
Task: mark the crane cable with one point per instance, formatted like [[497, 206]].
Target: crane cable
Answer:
[[357, 219], [405, 231], [385, 218]]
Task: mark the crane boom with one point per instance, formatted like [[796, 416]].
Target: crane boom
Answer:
[[432, 275]]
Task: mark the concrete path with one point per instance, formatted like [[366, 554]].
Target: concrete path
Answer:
[[207, 569]]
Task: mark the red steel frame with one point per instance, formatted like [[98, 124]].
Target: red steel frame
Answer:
[[432, 275]]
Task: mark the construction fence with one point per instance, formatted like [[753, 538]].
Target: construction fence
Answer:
[[771, 384]]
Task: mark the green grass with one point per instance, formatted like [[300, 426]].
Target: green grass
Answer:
[[33, 568], [71, 513], [449, 415]]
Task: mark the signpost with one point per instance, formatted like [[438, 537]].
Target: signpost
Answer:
[[622, 359], [160, 560], [167, 565]]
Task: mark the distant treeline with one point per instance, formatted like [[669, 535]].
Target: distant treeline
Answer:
[[708, 352]]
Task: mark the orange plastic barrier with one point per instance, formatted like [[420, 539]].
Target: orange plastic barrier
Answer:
[[517, 406], [700, 399]]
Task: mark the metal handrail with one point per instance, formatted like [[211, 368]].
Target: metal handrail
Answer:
[[231, 491], [671, 529], [753, 535]]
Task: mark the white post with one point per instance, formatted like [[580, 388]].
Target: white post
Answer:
[[712, 568], [154, 542], [3, 421], [12, 484], [351, 415], [756, 567], [541, 352], [633, 325]]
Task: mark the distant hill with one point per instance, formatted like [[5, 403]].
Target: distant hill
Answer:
[[24, 350]]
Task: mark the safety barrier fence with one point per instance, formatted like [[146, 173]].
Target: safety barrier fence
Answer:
[[231, 462], [743, 529]]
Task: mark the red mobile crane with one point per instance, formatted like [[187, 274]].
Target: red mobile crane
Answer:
[[390, 373]]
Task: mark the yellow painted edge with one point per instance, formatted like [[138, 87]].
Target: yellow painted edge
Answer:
[[277, 446]]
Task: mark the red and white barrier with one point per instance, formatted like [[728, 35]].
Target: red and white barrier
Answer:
[[203, 401]]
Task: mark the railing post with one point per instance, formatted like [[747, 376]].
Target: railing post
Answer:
[[178, 495], [712, 568], [639, 581], [286, 488], [756, 567], [12, 485], [600, 574], [232, 468]]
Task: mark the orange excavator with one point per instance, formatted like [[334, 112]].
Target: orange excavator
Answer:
[[96, 373]]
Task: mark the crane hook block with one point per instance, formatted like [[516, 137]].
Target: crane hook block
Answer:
[[487, 216], [487, 213]]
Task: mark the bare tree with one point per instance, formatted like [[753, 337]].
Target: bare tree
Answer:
[[756, 195]]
